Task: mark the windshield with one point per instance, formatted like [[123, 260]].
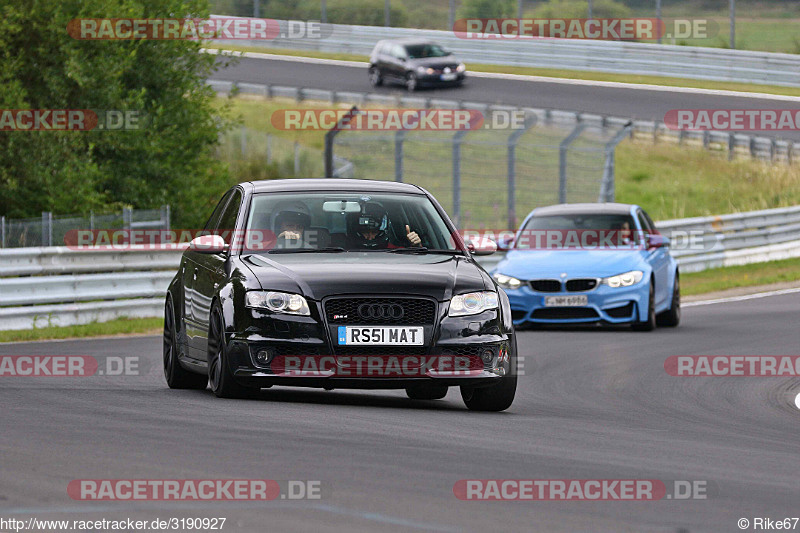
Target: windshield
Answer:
[[578, 230], [417, 51], [342, 222]]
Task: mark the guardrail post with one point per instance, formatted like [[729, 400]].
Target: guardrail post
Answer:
[[296, 158], [607, 186], [752, 146], [789, 149], [329, 138], [2, 232], [399, 137], [47, 228], [513, 139], [244, 141], [562, 161], [731, 145], [127, 218], [457, 139]]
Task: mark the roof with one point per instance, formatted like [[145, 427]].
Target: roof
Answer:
[[333, 184], [409, 40], [585, 209]]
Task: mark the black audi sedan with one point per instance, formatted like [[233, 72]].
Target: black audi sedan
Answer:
[[338, 284], [414, 63]]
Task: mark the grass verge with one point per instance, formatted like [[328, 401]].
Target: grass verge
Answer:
[[719, 279], [546, 72], [120, 326]]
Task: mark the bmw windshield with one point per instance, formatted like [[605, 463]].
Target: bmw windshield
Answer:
[[344, 222]]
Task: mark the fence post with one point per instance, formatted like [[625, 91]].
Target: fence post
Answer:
[[296, 158], [329, 138], [731, 145], [127, 218], [47, 228], [269, 148], [399, 137], [513, 139], [607, 185], [457, 138], [244, 141], [562, 161], [168, 218], [91, 220], [2, 232]]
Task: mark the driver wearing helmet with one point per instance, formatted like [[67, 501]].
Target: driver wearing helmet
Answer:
[[290, 222], [369, 229]]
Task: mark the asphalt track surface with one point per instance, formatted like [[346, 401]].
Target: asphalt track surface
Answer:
[[637, 103], [592, 404]]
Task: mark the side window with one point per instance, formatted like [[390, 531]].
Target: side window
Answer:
[[398, 51], [213, 220], [227, 222]]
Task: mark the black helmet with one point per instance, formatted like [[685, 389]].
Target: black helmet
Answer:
[[295, 212], [372, 217]]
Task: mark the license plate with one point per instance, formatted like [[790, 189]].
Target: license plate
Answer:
[[380, 335], [448, 77], [566, 301]]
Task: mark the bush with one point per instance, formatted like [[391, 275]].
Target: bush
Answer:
[[578, 9], [487, 9]]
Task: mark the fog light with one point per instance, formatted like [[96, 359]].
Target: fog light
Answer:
[[488, 355], [264, 356]]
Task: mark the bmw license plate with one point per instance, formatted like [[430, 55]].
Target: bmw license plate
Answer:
[[449, 77], [566, 301], [380, 335]]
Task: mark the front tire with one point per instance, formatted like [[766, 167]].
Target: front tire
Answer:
[[219, 374], [375, 77], [177, 377], [650, 323], [411, 82], [672, 316], [497, 397]]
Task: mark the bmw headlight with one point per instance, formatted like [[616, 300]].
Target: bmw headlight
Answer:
[[472, 303], [507, 282], [624, 280], [278, 302], [461, 67]]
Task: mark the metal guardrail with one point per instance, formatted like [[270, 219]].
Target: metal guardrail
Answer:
[[764, 148], [717, 64], [99, 285]]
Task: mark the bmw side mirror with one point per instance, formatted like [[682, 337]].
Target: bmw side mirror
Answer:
[[657, 241], [483, 246], [208, 244]]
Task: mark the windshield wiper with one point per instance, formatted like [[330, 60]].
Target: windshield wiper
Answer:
[[421, 250], [326, 250]]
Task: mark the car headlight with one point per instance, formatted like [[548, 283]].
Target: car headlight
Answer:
[[423, 70], [461, 67], [507, 282], [472, 303], [278, 302], [624, 280]]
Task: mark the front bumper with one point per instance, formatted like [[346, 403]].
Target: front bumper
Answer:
[[605, 304], [436, 79], [303, 338]]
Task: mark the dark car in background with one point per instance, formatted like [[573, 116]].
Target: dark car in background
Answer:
[[353, 269], [414, 63]]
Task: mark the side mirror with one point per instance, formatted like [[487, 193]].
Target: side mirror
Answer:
[[484, 246], [208, 244], [505, 243], [655, 240]]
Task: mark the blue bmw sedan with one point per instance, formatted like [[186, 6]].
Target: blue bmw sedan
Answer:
[[584, 263]]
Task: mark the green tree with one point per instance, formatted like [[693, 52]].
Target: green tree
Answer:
[[169, 159], [487, 9]]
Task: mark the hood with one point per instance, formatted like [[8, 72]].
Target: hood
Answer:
[[536, 264], [319, 275], [435, 62]]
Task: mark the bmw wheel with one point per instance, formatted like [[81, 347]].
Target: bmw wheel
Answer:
[[650, 323], [672, 316]]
